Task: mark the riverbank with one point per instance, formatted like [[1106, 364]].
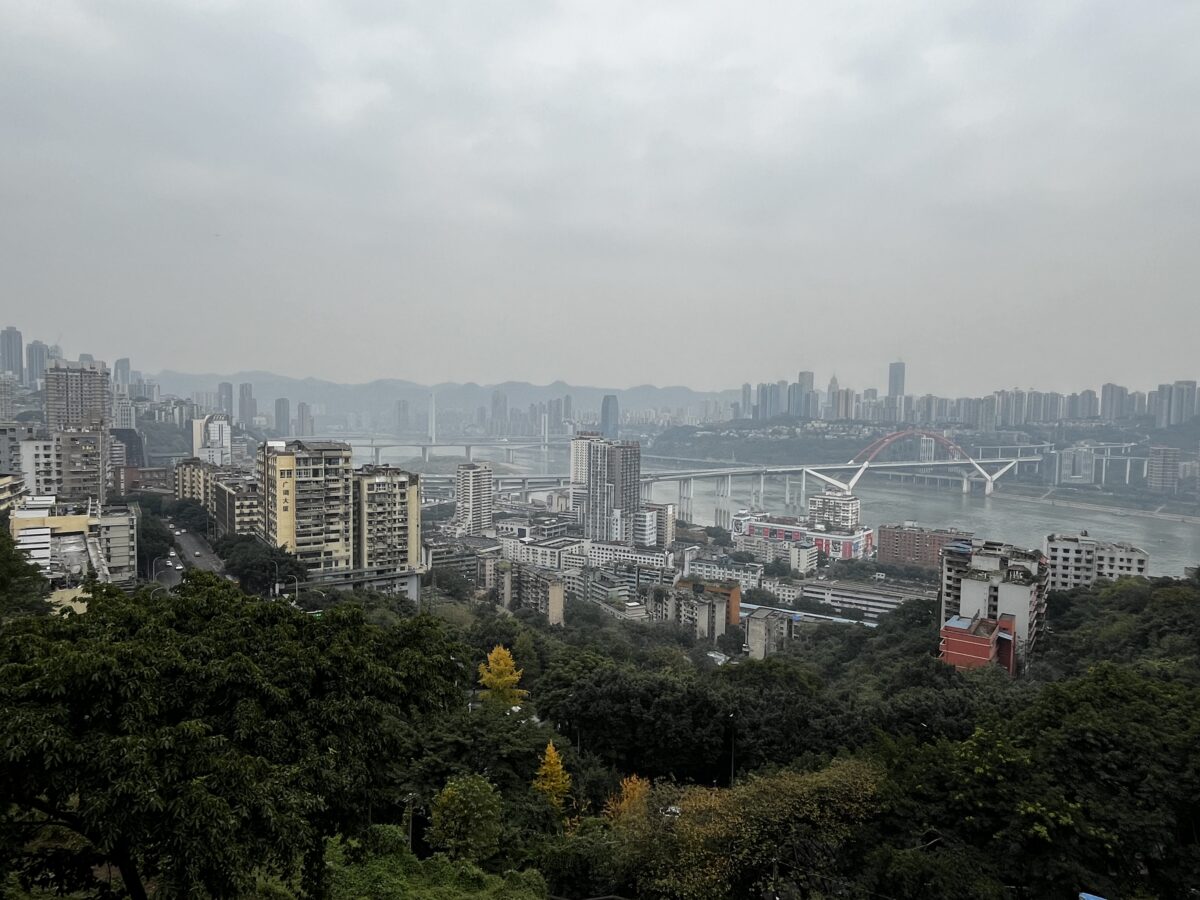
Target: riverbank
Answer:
[[1098, 507]]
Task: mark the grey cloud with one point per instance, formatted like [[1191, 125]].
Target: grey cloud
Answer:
[[610, 193]]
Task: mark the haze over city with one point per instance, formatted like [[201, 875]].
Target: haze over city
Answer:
[[558, 191], [562, 451]]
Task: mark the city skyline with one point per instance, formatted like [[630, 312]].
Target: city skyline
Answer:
[[880, 379]]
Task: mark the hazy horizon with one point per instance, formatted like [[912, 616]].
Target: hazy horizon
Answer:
[[684, 194]]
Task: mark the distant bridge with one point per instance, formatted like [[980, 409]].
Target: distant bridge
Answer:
[[960, 465], [379, 443]]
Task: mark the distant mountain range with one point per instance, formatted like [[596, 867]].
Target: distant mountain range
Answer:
[[379, 397]]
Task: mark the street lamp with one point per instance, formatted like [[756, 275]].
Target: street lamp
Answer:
[[153, 563], [275, 583], [732, 744], [296, 579]]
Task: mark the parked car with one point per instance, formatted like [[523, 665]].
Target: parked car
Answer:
[[197, 553], [179, 568]]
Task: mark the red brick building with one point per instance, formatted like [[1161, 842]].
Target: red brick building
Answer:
[[911, 545], [973, 643]]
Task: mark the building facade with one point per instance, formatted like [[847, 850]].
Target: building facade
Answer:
[[474, 489], [908, 544], [986, 579], [1077, 560], [307, 491]]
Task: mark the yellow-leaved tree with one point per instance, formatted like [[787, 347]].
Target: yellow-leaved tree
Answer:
[[631, 802], [499, 677], [552, 781]]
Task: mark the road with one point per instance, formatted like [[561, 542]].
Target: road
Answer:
[[187, 545]]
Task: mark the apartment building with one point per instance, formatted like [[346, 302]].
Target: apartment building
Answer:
[[1077, 560]]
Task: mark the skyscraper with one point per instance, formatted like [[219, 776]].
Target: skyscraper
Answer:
[[121, 372], [1162, 471], [37, 358], [747, 401], [499, 420], [896, 379], [78, 395], [283, 416], [473, 495], [612, 490], [610, 417], [12, 353], [304, 420], [247, 407]]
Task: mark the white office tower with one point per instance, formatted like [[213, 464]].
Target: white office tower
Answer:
[[473, 493]]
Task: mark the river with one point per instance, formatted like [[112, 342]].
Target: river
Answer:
[[1171, 545]]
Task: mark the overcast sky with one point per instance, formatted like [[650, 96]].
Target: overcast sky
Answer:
[[611, 193]]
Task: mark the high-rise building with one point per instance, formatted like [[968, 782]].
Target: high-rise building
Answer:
[[305, 426], [1162, 470], [499, 421], [121, 372], [37, 358], [12, 353], [610, 417], [835, 509], [1077, 560], [225, 399], [387, 520], [78, 395], [283, 416], [747, 401], [307, 494], [8, 393], [613, 490], [805, 381], [85, 465], [212, 439], [1183, 402], [988, 580], [473, 495], [247, 406], [1114, 400], [896, 379], [124, 413]]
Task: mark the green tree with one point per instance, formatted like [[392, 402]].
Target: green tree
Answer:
[[732, 641], [467, 819], [499, 677], [195, 740], [254, 563], [23, 590], [525, 653]]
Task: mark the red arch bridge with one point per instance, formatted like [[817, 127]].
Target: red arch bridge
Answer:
[[933, 454]]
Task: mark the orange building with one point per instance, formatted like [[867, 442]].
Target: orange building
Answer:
[[972, 643], [730, 590]]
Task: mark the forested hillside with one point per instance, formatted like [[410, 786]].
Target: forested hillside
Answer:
[[207, 743]]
